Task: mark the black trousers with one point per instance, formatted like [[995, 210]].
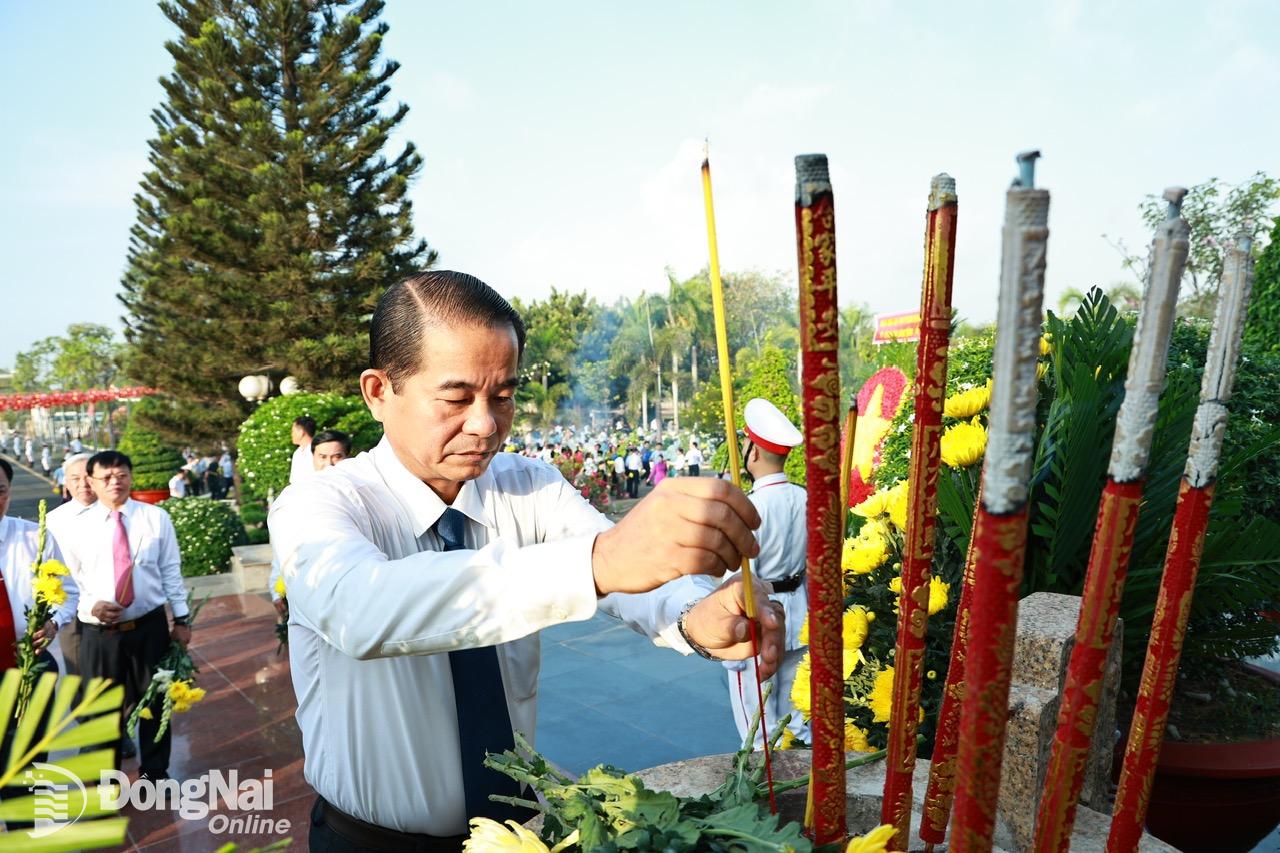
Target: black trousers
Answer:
[[695, 470], [69, 639], [129, 658], [633, 484], [360, 837]]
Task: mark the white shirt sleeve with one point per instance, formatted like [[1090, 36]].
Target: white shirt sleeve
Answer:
[[170, 560], [343, 586]]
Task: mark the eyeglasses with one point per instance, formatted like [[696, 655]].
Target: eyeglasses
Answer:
[[114, 478]]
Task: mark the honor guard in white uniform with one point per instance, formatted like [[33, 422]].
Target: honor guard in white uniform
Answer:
[[783, 540]]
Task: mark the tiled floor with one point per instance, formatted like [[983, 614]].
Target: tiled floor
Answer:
[[607, 695]]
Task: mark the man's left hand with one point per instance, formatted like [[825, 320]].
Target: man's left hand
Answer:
[[45, 635], [181, 634], [719, 624]]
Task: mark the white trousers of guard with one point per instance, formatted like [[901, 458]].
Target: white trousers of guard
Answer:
[[777, 705]]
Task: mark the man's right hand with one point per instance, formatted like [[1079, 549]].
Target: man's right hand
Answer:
[[107, 612], [282, 607], [685, 526]]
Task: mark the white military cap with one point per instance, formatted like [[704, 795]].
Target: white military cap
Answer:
[[767, 427]]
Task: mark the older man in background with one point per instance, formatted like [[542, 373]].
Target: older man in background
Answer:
[[61, 522]]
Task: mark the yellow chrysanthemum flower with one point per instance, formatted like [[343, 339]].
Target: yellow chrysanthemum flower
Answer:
[[895, 585], [849, 660], [52, 568], [854, 628], [875, 505], [855, 738], [875, 841], [881, 698], [280, 589], [864, 554], [146, 714], [1046, 346], [788, 741], [489, 836], [804, 631], [964, 444], [938, 595], [184, 695], [800, 687], [1041, 369], [48, 589], [966, 404], [898, 505]]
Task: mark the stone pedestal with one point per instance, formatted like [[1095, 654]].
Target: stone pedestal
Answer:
[[1046, 634]]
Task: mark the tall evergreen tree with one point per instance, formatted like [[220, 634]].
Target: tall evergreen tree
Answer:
[[270, 221]]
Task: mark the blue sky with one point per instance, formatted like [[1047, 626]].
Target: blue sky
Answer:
[[562, 140]]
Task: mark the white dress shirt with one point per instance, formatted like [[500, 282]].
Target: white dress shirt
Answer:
[[17, 552], [371, 615], [300, 467], [153, 545], [693, 457]]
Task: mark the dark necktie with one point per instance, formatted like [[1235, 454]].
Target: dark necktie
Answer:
[[483, 722]]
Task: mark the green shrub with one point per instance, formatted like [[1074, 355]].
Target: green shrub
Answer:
[[265, 447], [154, 462], [207, 530], [253, 513]]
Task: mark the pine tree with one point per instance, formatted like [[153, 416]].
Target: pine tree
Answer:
[[1263, 327], [270, 221]]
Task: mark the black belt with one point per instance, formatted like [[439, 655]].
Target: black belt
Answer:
[[144, 619], [380, 838], [790, 584]]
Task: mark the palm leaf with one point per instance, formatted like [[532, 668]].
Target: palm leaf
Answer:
[[61, 716]]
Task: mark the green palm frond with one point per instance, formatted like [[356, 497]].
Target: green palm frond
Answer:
[[61, 716]]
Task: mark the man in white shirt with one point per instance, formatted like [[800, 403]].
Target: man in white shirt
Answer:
[[327, 449], [61, 523], [77, 446], [634, 467], [784, 540], [124, 557], [420, 573], [178, 485], [18, 540], [300, 467], [694, 460]]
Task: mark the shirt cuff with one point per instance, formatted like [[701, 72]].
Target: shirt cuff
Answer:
[[562, 587]]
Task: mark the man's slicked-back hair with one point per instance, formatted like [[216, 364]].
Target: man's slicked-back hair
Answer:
[[108, 459], [435, 298]]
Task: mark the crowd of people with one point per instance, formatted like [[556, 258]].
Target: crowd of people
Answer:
[[624, 460]]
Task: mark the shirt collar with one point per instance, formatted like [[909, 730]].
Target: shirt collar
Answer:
[[102, 512], [770, 480], [423, 505]]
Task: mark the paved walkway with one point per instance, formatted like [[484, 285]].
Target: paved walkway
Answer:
[[606, 695]]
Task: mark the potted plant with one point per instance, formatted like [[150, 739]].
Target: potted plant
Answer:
[[154, 463]]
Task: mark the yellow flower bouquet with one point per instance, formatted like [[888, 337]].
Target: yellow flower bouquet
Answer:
[[48, 595], [172, 689]]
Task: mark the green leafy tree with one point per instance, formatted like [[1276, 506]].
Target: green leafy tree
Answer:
[[1263, 329], [1217, 213], [87, 356], [270, 220]]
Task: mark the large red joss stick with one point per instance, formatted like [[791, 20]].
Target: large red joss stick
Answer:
[[942, 769], [731, 439], [999, 537], [1113, 535], [820, 376], [1182, 561], [922, 503]]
